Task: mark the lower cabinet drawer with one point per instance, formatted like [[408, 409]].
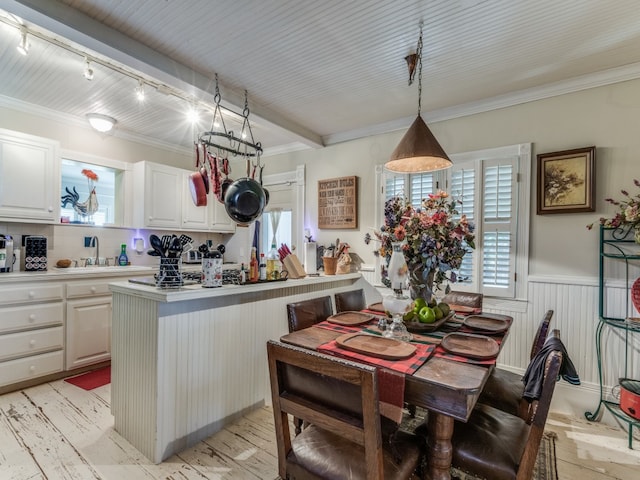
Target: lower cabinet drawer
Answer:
[[31, 316], [27, 368], [21, 344]]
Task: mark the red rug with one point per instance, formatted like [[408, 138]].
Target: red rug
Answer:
[[91, 380]]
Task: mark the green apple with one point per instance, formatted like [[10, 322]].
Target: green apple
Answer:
[[427, 315]]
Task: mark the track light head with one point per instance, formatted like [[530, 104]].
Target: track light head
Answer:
[[23, 46], [88, 71]]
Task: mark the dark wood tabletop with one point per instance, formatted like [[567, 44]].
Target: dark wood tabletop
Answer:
[[449, 389]]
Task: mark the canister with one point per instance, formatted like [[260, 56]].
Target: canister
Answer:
[[212, 269]]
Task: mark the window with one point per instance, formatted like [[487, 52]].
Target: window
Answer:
[[494, 189]]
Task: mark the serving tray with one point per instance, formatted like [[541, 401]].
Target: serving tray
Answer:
[[469, 345], [463, 308], [486, 323], [376, 307], [350, 318], [418, 327], [375, 346]]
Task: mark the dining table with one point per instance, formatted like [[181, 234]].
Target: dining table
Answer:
[[445, 381]]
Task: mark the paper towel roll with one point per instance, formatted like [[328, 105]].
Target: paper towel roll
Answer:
[[310, 257]]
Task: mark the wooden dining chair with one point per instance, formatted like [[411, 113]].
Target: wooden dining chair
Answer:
[[350, 301], [339, 400], [500, 446], [465, 299], [503, 389], [307, 313]]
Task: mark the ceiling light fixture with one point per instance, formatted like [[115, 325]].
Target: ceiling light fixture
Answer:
[[101, 123], [418, 151], [140, 91], [88, 72], [23, 46]]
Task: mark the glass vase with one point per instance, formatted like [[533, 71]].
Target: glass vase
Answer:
[[398, 272]]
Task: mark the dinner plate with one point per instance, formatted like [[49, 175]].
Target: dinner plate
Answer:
[[486, 323], [470, 345], [418, 327], [349, 318], [375, 346]]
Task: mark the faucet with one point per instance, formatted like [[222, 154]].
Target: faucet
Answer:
[[95, 243]]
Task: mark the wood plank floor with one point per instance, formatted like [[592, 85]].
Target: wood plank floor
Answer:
[[59, 431]]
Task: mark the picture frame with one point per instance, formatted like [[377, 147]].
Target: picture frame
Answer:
[[338, 203], [566, 181]]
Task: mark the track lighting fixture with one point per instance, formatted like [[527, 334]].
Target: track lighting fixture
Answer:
[[88, 72], [140, 91], [23, 46]]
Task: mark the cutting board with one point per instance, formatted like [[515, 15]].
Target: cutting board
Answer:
[[469, 345], [350, 318], [375, 346]]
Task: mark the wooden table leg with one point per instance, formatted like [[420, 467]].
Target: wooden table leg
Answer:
[[439, 451]]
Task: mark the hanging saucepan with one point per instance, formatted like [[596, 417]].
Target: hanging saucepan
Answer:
[[244, 200], [226, 183], [266, 192], [198, 182]]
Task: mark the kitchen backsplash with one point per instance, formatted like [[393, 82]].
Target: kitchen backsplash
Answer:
[[67, 241]]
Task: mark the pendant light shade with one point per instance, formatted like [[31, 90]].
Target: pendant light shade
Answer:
[[418, 151]]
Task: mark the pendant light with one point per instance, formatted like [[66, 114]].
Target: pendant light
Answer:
[[418, 151]]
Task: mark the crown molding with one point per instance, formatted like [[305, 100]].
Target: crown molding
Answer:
[[577, 84]]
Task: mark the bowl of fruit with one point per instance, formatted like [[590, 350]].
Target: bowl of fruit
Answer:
[[426, 317]]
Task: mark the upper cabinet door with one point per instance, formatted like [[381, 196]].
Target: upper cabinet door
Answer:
[[157, 195], [193, 217], [29, 178]]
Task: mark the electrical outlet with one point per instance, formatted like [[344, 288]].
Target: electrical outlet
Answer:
[[87, 241]]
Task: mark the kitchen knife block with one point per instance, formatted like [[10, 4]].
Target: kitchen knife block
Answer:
[[293, 266]]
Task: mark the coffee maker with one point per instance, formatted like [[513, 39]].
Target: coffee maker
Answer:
[[7, 257]]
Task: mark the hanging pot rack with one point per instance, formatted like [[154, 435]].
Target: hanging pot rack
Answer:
[[226, 140]]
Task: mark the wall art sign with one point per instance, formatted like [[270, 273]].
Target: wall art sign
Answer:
[[338, 202], [566, 181]]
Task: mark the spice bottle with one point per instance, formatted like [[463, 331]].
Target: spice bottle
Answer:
[[254, 268], [262, 268]]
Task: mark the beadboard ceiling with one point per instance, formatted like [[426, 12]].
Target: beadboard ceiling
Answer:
[[317, 72]]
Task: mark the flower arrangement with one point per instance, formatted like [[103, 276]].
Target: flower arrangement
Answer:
[[628, 213], [435, 240]]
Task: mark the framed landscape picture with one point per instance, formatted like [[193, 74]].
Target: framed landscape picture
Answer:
[[566, 181]]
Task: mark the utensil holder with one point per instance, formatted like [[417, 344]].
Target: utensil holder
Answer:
[[170, 273], [330, 265]]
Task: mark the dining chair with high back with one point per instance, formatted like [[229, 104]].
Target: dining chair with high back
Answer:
[[308, 312], [339, 400], [352, 300], [465, 299], [497, 445], [503, 389]]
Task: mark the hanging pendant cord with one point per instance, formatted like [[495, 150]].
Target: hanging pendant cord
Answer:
[[420, 70]]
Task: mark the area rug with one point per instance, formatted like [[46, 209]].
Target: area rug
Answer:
[[546, 464], [91, 380]]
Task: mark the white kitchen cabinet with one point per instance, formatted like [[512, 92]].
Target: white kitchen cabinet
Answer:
[[157, 196], [88, 331], [29, 178], [31, 331], [162, 199]]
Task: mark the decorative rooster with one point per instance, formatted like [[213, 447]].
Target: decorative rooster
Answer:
[[90, 205]]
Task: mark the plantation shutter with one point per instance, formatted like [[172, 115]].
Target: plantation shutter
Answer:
[[394, 186], [498, 227], [463, 188], [421, 186]]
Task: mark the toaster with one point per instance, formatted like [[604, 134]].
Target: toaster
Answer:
[[192, 256]]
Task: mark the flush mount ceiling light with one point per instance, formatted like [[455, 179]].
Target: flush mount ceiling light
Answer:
[[23, 46], [88, 72], [101, 123], [418, 151]]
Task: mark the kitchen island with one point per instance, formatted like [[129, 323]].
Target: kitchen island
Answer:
[[187, 362]]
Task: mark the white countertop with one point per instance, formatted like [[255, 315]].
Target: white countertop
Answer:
[[74, 273], [194, 292]]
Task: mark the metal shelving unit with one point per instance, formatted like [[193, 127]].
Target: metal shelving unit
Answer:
[[618, 245]]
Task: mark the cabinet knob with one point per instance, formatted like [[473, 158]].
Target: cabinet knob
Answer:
[[50, 209], [32, 294], [32, 317], [32, 343], [32, 368], [93, 289]]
